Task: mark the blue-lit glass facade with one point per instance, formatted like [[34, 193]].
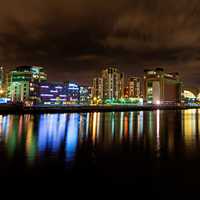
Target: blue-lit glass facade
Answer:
[[59, 93], [53, 93], [73, 92]]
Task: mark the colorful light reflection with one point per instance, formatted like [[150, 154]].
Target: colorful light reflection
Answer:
[[38, 137]]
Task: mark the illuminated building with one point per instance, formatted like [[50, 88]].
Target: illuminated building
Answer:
[[59, 93], [97, 89], [90, 93], [2, 83], [1, 77], [23, 83], [126, 92], [189, 97], [52, 93], [72, 92], [134, 87], [161, 87], [113, 83], [188, 94], [84, 95]]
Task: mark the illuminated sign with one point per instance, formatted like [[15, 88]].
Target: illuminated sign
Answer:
[[46, 95], [73, 86], [44, 86], [63, 95], [47, 103], [54, 91], [59, 87], [58, 99]]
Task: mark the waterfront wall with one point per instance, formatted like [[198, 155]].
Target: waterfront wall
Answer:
[[13, 109]]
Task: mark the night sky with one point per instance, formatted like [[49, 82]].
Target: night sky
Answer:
[[75, 39]]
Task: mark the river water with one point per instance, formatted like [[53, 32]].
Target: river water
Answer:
[[151, 148]]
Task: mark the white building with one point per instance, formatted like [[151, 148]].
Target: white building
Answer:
[[113, 83]]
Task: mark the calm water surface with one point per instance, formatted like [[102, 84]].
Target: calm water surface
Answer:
[[151, 147]]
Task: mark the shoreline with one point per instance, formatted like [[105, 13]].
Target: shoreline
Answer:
[[13, 109]]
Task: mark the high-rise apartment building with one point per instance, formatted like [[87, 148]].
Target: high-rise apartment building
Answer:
[[134, 87], [161, 87], [97, 88], [113, 83]]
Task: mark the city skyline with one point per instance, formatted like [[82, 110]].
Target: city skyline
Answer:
[[98, 94], [89, 80], [30, 85], [87, 35]]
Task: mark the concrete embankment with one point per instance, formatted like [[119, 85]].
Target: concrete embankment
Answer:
[[14, 109]]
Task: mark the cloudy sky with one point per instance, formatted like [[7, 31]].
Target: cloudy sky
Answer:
[[75, 39]]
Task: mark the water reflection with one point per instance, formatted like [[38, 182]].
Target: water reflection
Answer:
[[72, 136], [190, 126], [158, 133], [51, 133], [30, 138]]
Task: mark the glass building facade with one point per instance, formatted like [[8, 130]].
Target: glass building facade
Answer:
[[52, 93], [73, 93], [85, 97], [23, 84]]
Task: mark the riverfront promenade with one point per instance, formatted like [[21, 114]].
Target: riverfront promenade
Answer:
[[14, 109]]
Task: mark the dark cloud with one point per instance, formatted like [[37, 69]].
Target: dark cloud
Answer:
[[75, 39]]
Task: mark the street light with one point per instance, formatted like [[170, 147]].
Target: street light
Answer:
[[158, 102], [1, 91]]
